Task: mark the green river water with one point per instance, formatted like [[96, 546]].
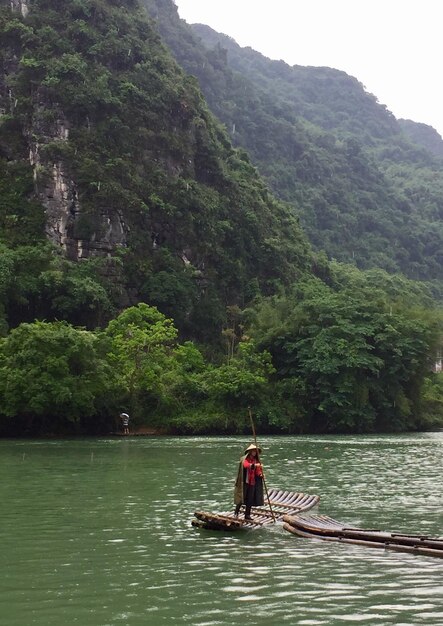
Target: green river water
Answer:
[[97, 532]]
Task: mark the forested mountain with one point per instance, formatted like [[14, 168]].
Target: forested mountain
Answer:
[[366, 193], [145, 265], [108, 149]]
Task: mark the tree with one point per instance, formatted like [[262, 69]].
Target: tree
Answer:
[[358, 360], [141, 352], [215, 398], [242, 380], [36, 282], [432, 402], [53, 377]]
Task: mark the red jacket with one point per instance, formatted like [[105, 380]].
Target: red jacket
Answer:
[[253, 469]]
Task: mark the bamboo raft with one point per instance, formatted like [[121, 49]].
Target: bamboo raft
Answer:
[[282, 502], [328, 529]]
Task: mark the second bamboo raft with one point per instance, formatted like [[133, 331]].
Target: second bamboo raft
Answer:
[[282, 503], [328, 529]]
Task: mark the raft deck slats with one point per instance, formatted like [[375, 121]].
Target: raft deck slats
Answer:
[[282, 503], [328, 529], [295, 503]]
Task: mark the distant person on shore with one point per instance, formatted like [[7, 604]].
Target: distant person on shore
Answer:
[[249, 483], [125, 423]]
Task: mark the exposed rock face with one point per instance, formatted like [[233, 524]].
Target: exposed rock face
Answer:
[[58, 192], [55, 186], [60, 199], [20, 5]]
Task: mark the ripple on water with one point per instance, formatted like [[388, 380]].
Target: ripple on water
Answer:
[[105, 538]]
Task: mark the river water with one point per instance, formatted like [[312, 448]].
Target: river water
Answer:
[[97, 532]]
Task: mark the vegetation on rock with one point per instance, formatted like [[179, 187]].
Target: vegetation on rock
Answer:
[[367, 187]]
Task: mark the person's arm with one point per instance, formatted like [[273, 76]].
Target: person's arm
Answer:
[[252, 465]]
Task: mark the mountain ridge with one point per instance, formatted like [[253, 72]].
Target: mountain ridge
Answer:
[[365, 193]]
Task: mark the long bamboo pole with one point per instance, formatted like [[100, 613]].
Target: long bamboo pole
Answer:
[[258, 459]]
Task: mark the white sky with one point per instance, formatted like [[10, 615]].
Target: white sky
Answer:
[[393, 47]]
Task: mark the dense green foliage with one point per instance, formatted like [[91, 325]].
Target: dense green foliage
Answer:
[[174, 285], [351, 357], [36, 282], [53, 378], [423, 135], [365, 193], [21, 218]]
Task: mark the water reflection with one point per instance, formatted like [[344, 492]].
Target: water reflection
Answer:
[[97, 532]]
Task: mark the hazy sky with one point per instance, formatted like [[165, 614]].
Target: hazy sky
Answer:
[[393, 47]]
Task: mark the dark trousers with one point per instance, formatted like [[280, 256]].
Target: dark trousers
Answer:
[[249, 500]]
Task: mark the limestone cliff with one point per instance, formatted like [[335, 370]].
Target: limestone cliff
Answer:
[[58, 191], [21, 6], [129, 163], [45, 125]]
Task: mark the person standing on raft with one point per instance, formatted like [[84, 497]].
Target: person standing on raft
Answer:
[[249, 483]]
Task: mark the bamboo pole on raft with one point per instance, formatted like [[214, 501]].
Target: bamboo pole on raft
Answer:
[[258, 459]]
